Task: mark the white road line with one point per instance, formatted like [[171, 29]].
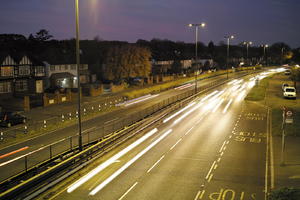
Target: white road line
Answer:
[[86, 130], [216, 165], [219, 159], [175, 144], [210, 177], [197, 196], [272, 161], [128, 191], [111, 120], [222, 146], [202, 193], [212, 166], [189, 131], [222, 153], [155, 164]]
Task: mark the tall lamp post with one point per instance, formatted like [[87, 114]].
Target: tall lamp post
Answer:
[[78, 76], [247, 46], [264, 57], [227, 58], [196, 50]]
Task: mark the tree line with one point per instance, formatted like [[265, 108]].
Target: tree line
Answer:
[[120, 60]]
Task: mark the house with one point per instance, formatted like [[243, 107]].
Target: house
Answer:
[[20, 75], [65, 75]]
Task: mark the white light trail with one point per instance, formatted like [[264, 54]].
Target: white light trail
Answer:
[[113, 159], [124, 167], [240, 96], [218, 105], [187, 113], [208, 96], [227, 106], [177, 113], [144, 99], [184, 86]]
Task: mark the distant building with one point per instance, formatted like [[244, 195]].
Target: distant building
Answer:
[[21, 75], [65, 75]]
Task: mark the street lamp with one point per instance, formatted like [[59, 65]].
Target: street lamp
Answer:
[[196, 49], [227, 58], [78, 75], [265, 46], [247, 45]]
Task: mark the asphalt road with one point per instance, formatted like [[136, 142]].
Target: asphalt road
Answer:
[[214, 149], [97, 122]]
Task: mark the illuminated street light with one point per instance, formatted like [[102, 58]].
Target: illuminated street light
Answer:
[[264, 55], [78, 76], [196, 49], [247, 45], [227, 58]]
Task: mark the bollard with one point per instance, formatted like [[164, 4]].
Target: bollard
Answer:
[[45, 124], [1, 137], [70, 116], [93, 108], [25, 129], [62, 118], [99, 107], [76, 114], [84, 111]]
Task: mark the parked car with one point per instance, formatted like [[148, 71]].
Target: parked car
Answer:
[[284, 85], [289, 92], [8, 119]]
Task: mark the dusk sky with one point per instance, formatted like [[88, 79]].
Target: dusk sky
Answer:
[[260, 21]]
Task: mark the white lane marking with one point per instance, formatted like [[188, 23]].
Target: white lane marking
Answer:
[[175, 144], [210, 177], [198, 194], [180, 111], [111, 160], [149, 170], [107, 122], [89, 129], [189, 131], [212, 166], [216, 165], [272, 155], [202, 193], [227, 106], [219, 159], [222, 146], [222, 153], [124, 167], [128, 191]]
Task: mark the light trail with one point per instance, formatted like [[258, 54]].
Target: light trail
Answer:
[[208, 96], [124, 167], [227, 106], [108, 162], [218, 105], [187, 113], [13, 152], [177, 113]]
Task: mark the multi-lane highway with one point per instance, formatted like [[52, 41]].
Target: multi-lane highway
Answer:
[[16, 153], [214, 148]]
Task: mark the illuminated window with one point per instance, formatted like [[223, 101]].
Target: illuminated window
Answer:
[[24, 70], [5, 87], [7, 71]]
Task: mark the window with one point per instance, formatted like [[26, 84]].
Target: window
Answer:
[[52, 68], [24, 70], [5, 87], [21, 85], [73, 67], [66, 67], [7, 71], [39, 70]]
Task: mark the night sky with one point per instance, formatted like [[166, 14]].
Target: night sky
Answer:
[[260, 21]]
